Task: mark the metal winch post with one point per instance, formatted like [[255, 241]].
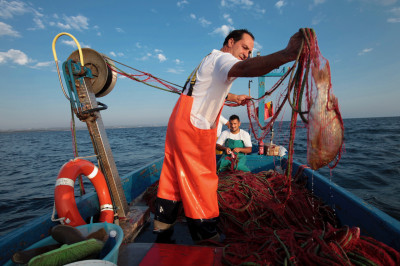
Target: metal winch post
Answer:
[[102, 147], [88, 89]]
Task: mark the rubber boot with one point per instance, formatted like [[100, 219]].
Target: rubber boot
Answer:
[[166, 213], [165, 236], [203, 229]]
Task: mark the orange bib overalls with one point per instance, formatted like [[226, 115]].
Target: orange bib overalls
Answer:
[[189, 169]]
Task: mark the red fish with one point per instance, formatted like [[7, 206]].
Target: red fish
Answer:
[[325, 124]]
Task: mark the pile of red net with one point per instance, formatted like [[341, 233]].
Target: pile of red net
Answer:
[[267, 222]]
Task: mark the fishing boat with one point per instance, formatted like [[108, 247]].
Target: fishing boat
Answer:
[[350, 210], [134, 217]]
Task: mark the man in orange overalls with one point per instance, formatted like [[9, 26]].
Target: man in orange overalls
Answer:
[[189, 174]]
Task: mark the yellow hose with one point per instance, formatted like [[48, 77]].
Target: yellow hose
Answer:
[[56, 60], [77, 44]]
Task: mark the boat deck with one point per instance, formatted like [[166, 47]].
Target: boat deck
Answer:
[[144, 251]]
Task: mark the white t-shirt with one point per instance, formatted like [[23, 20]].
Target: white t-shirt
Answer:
[[211, 88], [242, 135], [221, 123]]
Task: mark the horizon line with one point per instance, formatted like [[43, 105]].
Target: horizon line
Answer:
[[134, 126]]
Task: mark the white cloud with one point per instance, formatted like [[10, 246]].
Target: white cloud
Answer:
[[62, 25], [7, 30], [257, 47], [317, 19], [145, 57], [97, 28], [43, 64], [73, 22], [280, 4], [228, 18], [378, 2], [73, 44], [366, 50], [237, 3], [204, 22], [119, 30], [381, 2], [161, 57], [247, 5], [112, 53], [15, 56], [175, 71], [39, 24], [395, 11], [138, 45], [158, 51], [178, 62], [317, 2], [223, 30], [181, 3], [12, 8]]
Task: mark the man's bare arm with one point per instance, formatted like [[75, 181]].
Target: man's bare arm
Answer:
[[261, 65]]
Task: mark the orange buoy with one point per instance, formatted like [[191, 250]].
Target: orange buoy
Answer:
[[64, 192]]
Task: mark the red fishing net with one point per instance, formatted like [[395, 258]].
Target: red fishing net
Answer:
[[308, 90], [266, 222], [264, 225]]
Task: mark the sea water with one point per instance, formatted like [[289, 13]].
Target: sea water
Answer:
[[30, 162]]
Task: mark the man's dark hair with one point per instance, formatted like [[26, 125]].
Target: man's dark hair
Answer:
[[237, 35], [233, 117]]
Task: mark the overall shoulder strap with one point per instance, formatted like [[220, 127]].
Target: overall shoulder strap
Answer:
[[192, 78]]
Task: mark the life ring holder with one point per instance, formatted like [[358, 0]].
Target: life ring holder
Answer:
[[64, 197]]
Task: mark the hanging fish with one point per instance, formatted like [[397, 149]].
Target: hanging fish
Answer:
[[325, 125]]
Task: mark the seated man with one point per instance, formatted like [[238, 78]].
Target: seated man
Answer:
[[235, 143]]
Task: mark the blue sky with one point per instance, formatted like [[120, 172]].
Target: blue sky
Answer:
[[360, 38]]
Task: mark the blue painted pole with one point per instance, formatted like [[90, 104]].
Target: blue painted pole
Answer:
[[261, 92]]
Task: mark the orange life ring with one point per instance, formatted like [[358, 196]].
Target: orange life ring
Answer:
[[64, 192]]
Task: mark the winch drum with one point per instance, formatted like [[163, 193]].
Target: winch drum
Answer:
[[104, 78]]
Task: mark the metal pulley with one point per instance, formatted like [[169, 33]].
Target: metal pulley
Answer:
[[104, 78]]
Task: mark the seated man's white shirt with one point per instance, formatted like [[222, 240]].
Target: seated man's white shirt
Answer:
[[242, 135], [211, 88]]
